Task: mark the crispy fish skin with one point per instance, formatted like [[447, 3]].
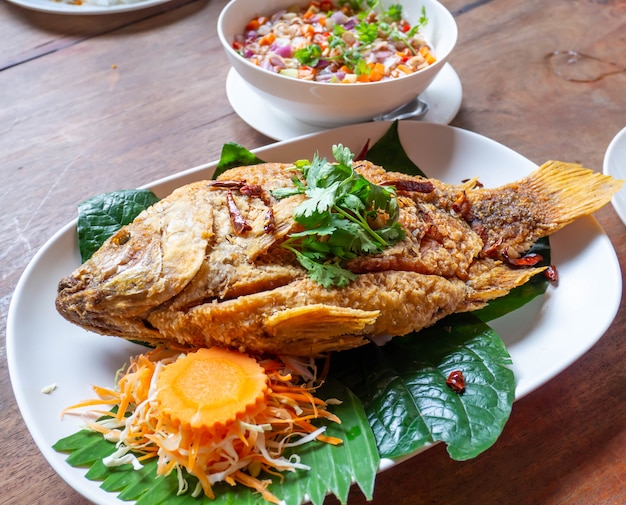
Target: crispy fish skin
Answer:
[[203, 266]]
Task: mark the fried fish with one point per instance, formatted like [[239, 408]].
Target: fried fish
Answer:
[[203, 266]]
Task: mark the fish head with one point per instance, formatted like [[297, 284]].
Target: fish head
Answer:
[[142, 266]]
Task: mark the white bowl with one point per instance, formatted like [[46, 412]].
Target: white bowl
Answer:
[[615, 165], [335, 104]]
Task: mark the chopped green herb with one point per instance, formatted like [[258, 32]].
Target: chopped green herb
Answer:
[[344, 216]]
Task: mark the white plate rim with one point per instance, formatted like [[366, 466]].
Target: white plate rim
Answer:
[[586, 235], [59, 7]]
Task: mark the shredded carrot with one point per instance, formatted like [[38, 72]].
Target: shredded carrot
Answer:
[[218, 414], [428, 56]]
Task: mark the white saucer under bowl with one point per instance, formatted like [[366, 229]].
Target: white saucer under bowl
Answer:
[[444, 96], [615, 166]]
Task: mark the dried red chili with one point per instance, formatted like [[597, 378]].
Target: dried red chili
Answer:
[[239, 223], [411, 185], [462, 206], [529, 260], [251, 190], [361, 155], [227, 184], [456, 381], [491, 250], [551, 273]]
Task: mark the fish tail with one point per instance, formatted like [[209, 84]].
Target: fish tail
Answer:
[[514, 216], [574, 191]]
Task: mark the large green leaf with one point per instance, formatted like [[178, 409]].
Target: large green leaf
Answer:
[[403, 388], [102, 215], [388, 152], [234, 155], [333, 468]]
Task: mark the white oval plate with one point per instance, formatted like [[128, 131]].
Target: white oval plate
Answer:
[[59, 7], [543, 337], [615, 165]]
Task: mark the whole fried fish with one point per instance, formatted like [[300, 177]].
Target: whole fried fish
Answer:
[[203, 266]]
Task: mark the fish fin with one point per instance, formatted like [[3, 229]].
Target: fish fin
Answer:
[[515, 216], [490, 279], [319, 321], [576, 191]]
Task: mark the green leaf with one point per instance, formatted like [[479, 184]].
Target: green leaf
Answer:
[[388, 152], [403, 388], [74, 441], [101, 216], [93, 450], [234, 155], [308, 55], [333, 468]]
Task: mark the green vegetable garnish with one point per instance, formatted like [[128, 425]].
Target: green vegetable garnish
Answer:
[[309, 55], [374, 20], [344, 216], [102, 215]]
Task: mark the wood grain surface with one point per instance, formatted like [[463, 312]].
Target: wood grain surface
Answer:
[[96, 103]]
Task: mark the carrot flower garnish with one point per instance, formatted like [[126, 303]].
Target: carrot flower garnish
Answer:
[[218, 414]]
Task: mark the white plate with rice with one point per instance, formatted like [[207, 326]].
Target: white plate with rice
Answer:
[[87, 7]]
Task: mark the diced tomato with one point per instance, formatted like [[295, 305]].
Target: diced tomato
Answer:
[[267, 39], [253, 25]]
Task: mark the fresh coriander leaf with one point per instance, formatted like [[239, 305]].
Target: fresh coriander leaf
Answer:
[[280, 193], [343, 155], [394, 12], [367, 32], [350, 201], [102, 215], [309, 55], [319, 200], [339, 197], [423, 20], [325, 274]]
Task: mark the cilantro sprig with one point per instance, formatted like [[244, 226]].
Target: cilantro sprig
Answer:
[[343, 216], [373, 21]]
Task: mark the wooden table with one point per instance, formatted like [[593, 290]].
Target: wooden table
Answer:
[[94, 103]]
